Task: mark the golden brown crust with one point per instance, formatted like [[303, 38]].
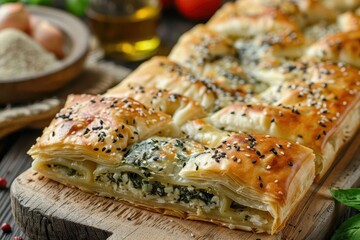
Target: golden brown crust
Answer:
[[340, 47], [172, 104], [100, 128], [315, 11], [349, 22], [341, 5], [261, 162], [240, 20], [310, 113], [212, 56], [201, 44], [161, 73]]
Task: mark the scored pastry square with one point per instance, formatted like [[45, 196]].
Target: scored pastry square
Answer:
[[232, 128], [101, 128]]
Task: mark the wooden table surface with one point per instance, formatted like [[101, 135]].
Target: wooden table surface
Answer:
[[170, 28]]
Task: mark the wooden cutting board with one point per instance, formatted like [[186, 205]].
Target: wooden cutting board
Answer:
[[45, 209]]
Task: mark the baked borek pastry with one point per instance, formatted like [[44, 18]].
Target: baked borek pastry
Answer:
[[232, 128], [251, 182]]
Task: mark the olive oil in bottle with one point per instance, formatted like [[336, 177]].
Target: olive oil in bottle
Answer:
[[126, 29]]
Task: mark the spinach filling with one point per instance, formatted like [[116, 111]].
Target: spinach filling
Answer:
[[177, 193], [237, 207], [156, 155], [65, 170], [150, 152], [187, 195]]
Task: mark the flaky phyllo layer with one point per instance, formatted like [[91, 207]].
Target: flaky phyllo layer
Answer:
[[231, 128], [110, 146]]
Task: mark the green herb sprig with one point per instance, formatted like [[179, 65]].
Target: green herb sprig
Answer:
[[350, 229]]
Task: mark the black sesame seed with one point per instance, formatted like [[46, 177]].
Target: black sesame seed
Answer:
[[300, 136], [103, 149], [273, 150], [294, 110], [96, 149], [290, 163], [259, 178], [261, 185], [253, 161], [318, 137], [290, 68], [87, 130], [108, 151], [322, 124]]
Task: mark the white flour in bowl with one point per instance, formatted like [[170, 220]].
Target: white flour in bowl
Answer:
[[21, 56]]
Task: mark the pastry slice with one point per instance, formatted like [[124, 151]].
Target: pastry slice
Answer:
[[246, 19], [341, 47], [179, 107], [161, 73], [212, 56], [99, 128], [249, 182]]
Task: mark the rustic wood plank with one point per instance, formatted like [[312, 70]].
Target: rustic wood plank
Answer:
[[12, 163], [49, 210]]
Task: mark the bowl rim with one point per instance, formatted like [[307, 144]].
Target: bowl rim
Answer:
[[65, 22]]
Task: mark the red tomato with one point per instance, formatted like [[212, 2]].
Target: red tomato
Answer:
[[197, 9]]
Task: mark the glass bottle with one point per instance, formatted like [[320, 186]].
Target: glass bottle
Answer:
[[126, 29]]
